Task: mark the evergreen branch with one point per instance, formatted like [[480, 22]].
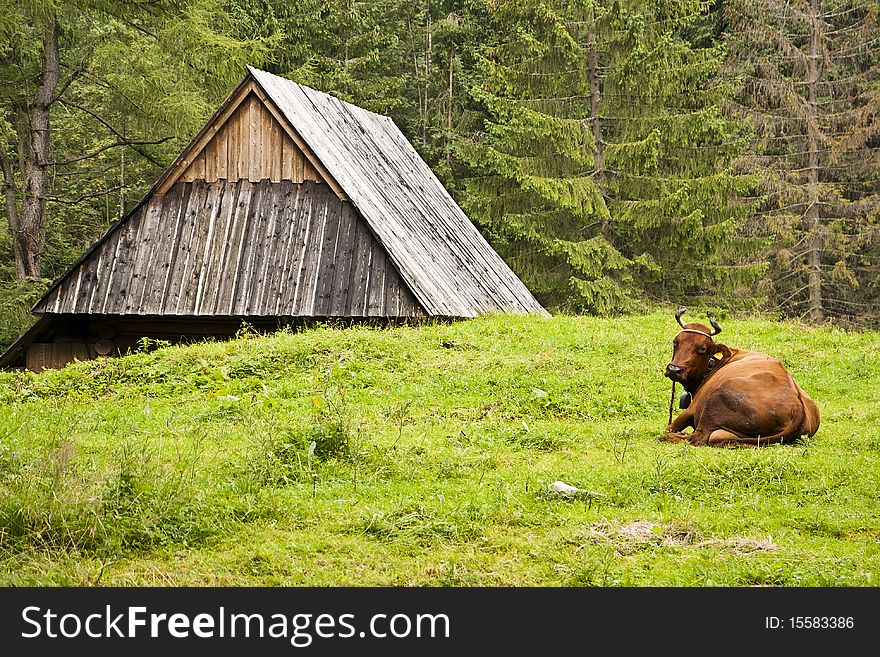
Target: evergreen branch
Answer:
[[84, 197], [108, 147], [118, 135], [59, 91], [787, 10]]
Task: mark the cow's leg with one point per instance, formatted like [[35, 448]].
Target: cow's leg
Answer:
[[674, 437], [675, 431], [684, 420], [726, 438], [699, 437]]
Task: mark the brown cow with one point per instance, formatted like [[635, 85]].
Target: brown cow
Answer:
[[734, 397]]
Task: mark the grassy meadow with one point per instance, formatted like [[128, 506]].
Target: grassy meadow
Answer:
[[422, 456]]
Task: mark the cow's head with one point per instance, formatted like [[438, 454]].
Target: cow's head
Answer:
[[694, 352]]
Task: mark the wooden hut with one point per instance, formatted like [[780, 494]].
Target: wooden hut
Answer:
[[289, 204]]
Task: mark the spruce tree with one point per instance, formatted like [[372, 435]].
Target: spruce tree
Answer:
[[348, 48], [808, 72], [603, 170]]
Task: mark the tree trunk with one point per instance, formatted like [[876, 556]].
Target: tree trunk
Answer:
[[449, 114], [122, 177], [593, 71], [30, 238], [428, 48], [9, 194], [595, 102], [814, 227]]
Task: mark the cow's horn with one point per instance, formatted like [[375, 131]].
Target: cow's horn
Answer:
[[681, 311], [716, 328]]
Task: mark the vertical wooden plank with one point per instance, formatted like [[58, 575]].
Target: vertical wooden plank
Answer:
[[265, 142], [57, 355], [67, 294], [357, 292], [298, 163], [378, 273], [287, 155], [210, 152], [254, 252], [161, 250], [309, 172], [127, 274], [327, 263], [233, 146], [147, 252], [111, 266], [392, 289], [155, 303], [298, 250], [199, 167], [277, 145], [203, 237], [232, 134], [188, 242], [312, 257], [409, 306], [348, 219], [124, 264], [244, 130], [191, 171], [238, 232], [291, 226], [56, 305], [214, 268], [253, 140], [244, 272], [77, 286], [221, 150], [38, 354], [242, 137], [284, 191], [99, 283], [247, 138], [140, 264], [264, 253]]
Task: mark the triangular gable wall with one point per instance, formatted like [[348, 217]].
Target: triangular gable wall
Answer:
[[251, 145], [247, 138]]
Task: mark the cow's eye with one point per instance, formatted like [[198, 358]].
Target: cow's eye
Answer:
[[702, 350]]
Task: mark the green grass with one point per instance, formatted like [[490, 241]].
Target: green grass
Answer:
[[422, 456]]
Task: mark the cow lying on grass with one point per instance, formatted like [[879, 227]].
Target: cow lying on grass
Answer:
[[734, 397]]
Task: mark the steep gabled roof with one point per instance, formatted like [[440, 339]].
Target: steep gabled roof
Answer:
[[442, 258], [447, 263]]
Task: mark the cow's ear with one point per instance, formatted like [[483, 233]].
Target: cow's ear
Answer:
[[722, 352]]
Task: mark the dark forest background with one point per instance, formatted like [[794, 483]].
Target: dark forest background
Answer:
[[616, 153]]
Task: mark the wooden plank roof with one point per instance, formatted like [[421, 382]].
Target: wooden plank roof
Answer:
[[450, 267]]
